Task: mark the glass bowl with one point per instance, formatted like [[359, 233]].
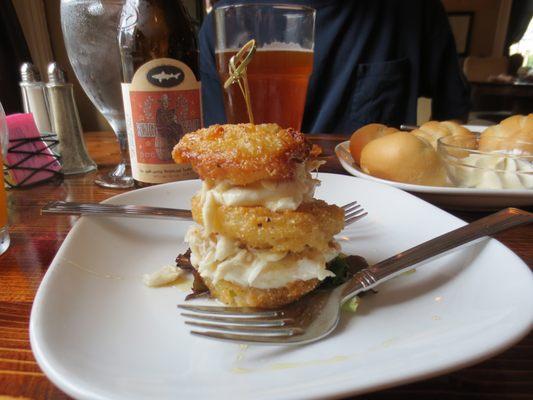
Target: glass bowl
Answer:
[[508, 167]]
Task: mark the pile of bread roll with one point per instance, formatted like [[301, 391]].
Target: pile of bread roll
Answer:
[[408, 157], [412, 157], [517, 131]]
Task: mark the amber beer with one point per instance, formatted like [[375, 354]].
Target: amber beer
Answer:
[[278, 82]]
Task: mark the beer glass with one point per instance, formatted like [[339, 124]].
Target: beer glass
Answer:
[[279, 72], [4, 140]]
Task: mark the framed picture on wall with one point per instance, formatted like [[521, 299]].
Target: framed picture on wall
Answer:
[[461, 24]]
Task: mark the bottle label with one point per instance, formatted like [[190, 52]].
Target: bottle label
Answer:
[[161, 104]]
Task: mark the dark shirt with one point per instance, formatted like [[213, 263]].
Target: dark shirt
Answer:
[[372, 60]]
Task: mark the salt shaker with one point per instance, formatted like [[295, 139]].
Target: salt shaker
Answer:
[[34, 97], [66, 123]]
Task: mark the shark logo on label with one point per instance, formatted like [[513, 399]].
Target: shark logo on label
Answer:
[[165, 76]]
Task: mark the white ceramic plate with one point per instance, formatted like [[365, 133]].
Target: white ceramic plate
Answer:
[[451, 197], [98, 333], [476, 128]]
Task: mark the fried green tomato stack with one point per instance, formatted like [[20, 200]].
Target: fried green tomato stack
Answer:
[[262, 240]]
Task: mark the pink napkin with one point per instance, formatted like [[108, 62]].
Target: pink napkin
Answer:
[[29, 159]]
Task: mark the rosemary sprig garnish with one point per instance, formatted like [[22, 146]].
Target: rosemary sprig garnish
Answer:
[[238, 73]]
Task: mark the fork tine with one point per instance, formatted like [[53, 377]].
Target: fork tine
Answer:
[[350, 217], [351, 204], [235, 311], [266, 331], [353, 213], [232, 337], [352, 209], [355, 218], [240, 321]]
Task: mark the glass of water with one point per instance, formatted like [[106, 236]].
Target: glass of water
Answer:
[[90, 28]]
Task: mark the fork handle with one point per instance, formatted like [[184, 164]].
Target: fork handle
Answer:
[[72, 208], [404, 261]]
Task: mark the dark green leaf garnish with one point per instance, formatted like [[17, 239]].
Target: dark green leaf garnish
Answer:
[[344, 267], [199, 288]]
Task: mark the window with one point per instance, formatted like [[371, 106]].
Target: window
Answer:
[[525, 46]]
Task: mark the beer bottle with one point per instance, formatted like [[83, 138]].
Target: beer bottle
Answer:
[[161, 87]]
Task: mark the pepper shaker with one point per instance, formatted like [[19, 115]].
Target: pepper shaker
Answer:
[[66, 123]]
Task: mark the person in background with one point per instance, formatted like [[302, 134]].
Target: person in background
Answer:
[[515, 62], [373, 59]]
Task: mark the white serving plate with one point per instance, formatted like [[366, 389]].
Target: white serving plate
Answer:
[[98, 333], [476, 128], [451, 197]]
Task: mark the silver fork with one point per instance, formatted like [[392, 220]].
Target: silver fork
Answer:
[[352, 211], [316, 315]]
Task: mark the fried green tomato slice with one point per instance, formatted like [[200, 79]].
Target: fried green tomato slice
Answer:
[[236, 295], [313, 224], [244, 153]]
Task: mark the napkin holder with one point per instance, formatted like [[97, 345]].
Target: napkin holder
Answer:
[[30, 158]]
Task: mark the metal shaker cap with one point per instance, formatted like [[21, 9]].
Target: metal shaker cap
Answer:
[[29, 73], [55, 74]]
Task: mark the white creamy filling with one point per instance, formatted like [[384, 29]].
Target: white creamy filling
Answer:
[[218, 257], [274, 195], [164, 276], [494, 172]]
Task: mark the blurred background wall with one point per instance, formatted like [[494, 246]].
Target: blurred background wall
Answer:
[[489, 24]]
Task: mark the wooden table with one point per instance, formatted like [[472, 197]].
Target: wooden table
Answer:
[[35, 240]]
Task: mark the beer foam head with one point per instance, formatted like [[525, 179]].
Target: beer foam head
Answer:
[[277, 46], [273, 46]]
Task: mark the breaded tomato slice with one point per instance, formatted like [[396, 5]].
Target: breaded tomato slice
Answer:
[[243, 153], [236, 295], [313, 224]]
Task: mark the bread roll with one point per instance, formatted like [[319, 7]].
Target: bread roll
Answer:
[[519, 122], [513, 134], [364, 135], [434, 130], [403, 157]]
